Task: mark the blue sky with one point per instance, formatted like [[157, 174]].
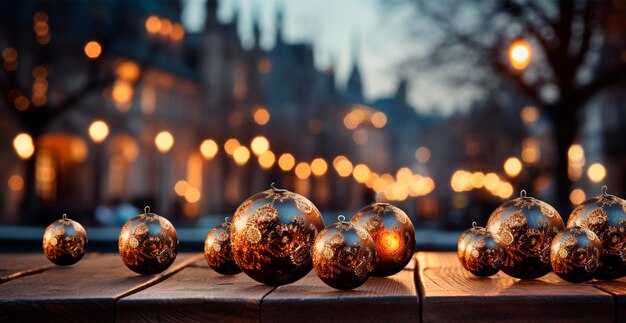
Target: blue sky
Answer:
[[340, 32]]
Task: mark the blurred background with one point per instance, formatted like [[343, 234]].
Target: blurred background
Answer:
[[443, 108]]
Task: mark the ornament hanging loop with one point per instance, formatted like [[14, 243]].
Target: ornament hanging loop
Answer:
[[604, 190], [273, 186], [341, 218], [377, 198], [146, 211], [64, 216], [523, 194], [474, 224], [226, 220]]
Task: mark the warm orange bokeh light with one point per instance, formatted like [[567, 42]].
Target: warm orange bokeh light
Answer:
[[241, 155], [361, 173], [259, 145], [209, 148], [513, 167], [343, 166], [267, 159], [122, 91], [98, 131], [15, 183], [181, 187], [164, 141], [261, 116], [520, 54], [153, 24], [577, 196], [303, 170], [596, 172], [230, 145], [24, 146], [93, 49], [286, 162], [319, 167]]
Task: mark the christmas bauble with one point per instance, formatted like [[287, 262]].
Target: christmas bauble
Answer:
[[272, 235], [148, 243], [605, 215], [575, 254], [524, 228], [479, 253], [393, 233], [343, 255], [64, 242], [217, 251]]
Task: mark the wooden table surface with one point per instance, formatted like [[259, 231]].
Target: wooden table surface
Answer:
[[432, 288]]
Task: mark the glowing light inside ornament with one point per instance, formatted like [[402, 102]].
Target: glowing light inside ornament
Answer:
[[391, 241]]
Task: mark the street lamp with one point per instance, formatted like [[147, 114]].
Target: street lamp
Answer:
[[520, 54]]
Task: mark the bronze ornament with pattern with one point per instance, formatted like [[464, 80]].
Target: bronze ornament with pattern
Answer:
[[148, 243], [217, 250], [393, 234], [575, 254], [272, 234], [605, 215], [64, 241], [479, 253], [343, 255], [524, 228]]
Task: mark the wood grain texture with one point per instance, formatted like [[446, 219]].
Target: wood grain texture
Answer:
[[391, 299], [617, 288], [17, 265], [86, 291], [450, 293], [196, 293]]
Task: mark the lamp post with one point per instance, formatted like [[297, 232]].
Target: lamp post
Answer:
[[98, 132]]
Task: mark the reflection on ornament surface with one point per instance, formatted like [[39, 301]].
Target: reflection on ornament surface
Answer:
[[272, 234], [148, 243], [393, 234], [64, 242], [343, 255], [524, 228]]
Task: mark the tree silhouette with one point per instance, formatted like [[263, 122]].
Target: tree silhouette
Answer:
[[578, 51]]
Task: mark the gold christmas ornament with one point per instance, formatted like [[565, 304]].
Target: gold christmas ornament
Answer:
[[64, 242], [575, 254], [272, 234], [479, 253], [343, 255], [217, 250], [148, 243], [605, 215], [524, 228], [393, 234]]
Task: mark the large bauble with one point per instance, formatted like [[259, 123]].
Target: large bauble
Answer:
[[479, 253], [524, 228], [393, 233], [344, 255], [605, 215], [217, 250], [272, 234], [64, 242], [575, 254], [148, 243]]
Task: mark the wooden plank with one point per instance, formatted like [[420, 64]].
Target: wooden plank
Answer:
[[17, 265], [390, 299], [450, 293], [86, 291], [196, 293], [617, 288]]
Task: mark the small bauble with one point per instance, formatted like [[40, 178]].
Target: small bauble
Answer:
[[343, 255], [272, 234], [479, 253], [393, 234], [524, 228], [575, 254], [148, 243], [605, 215], [64, 242], [217, 251]]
